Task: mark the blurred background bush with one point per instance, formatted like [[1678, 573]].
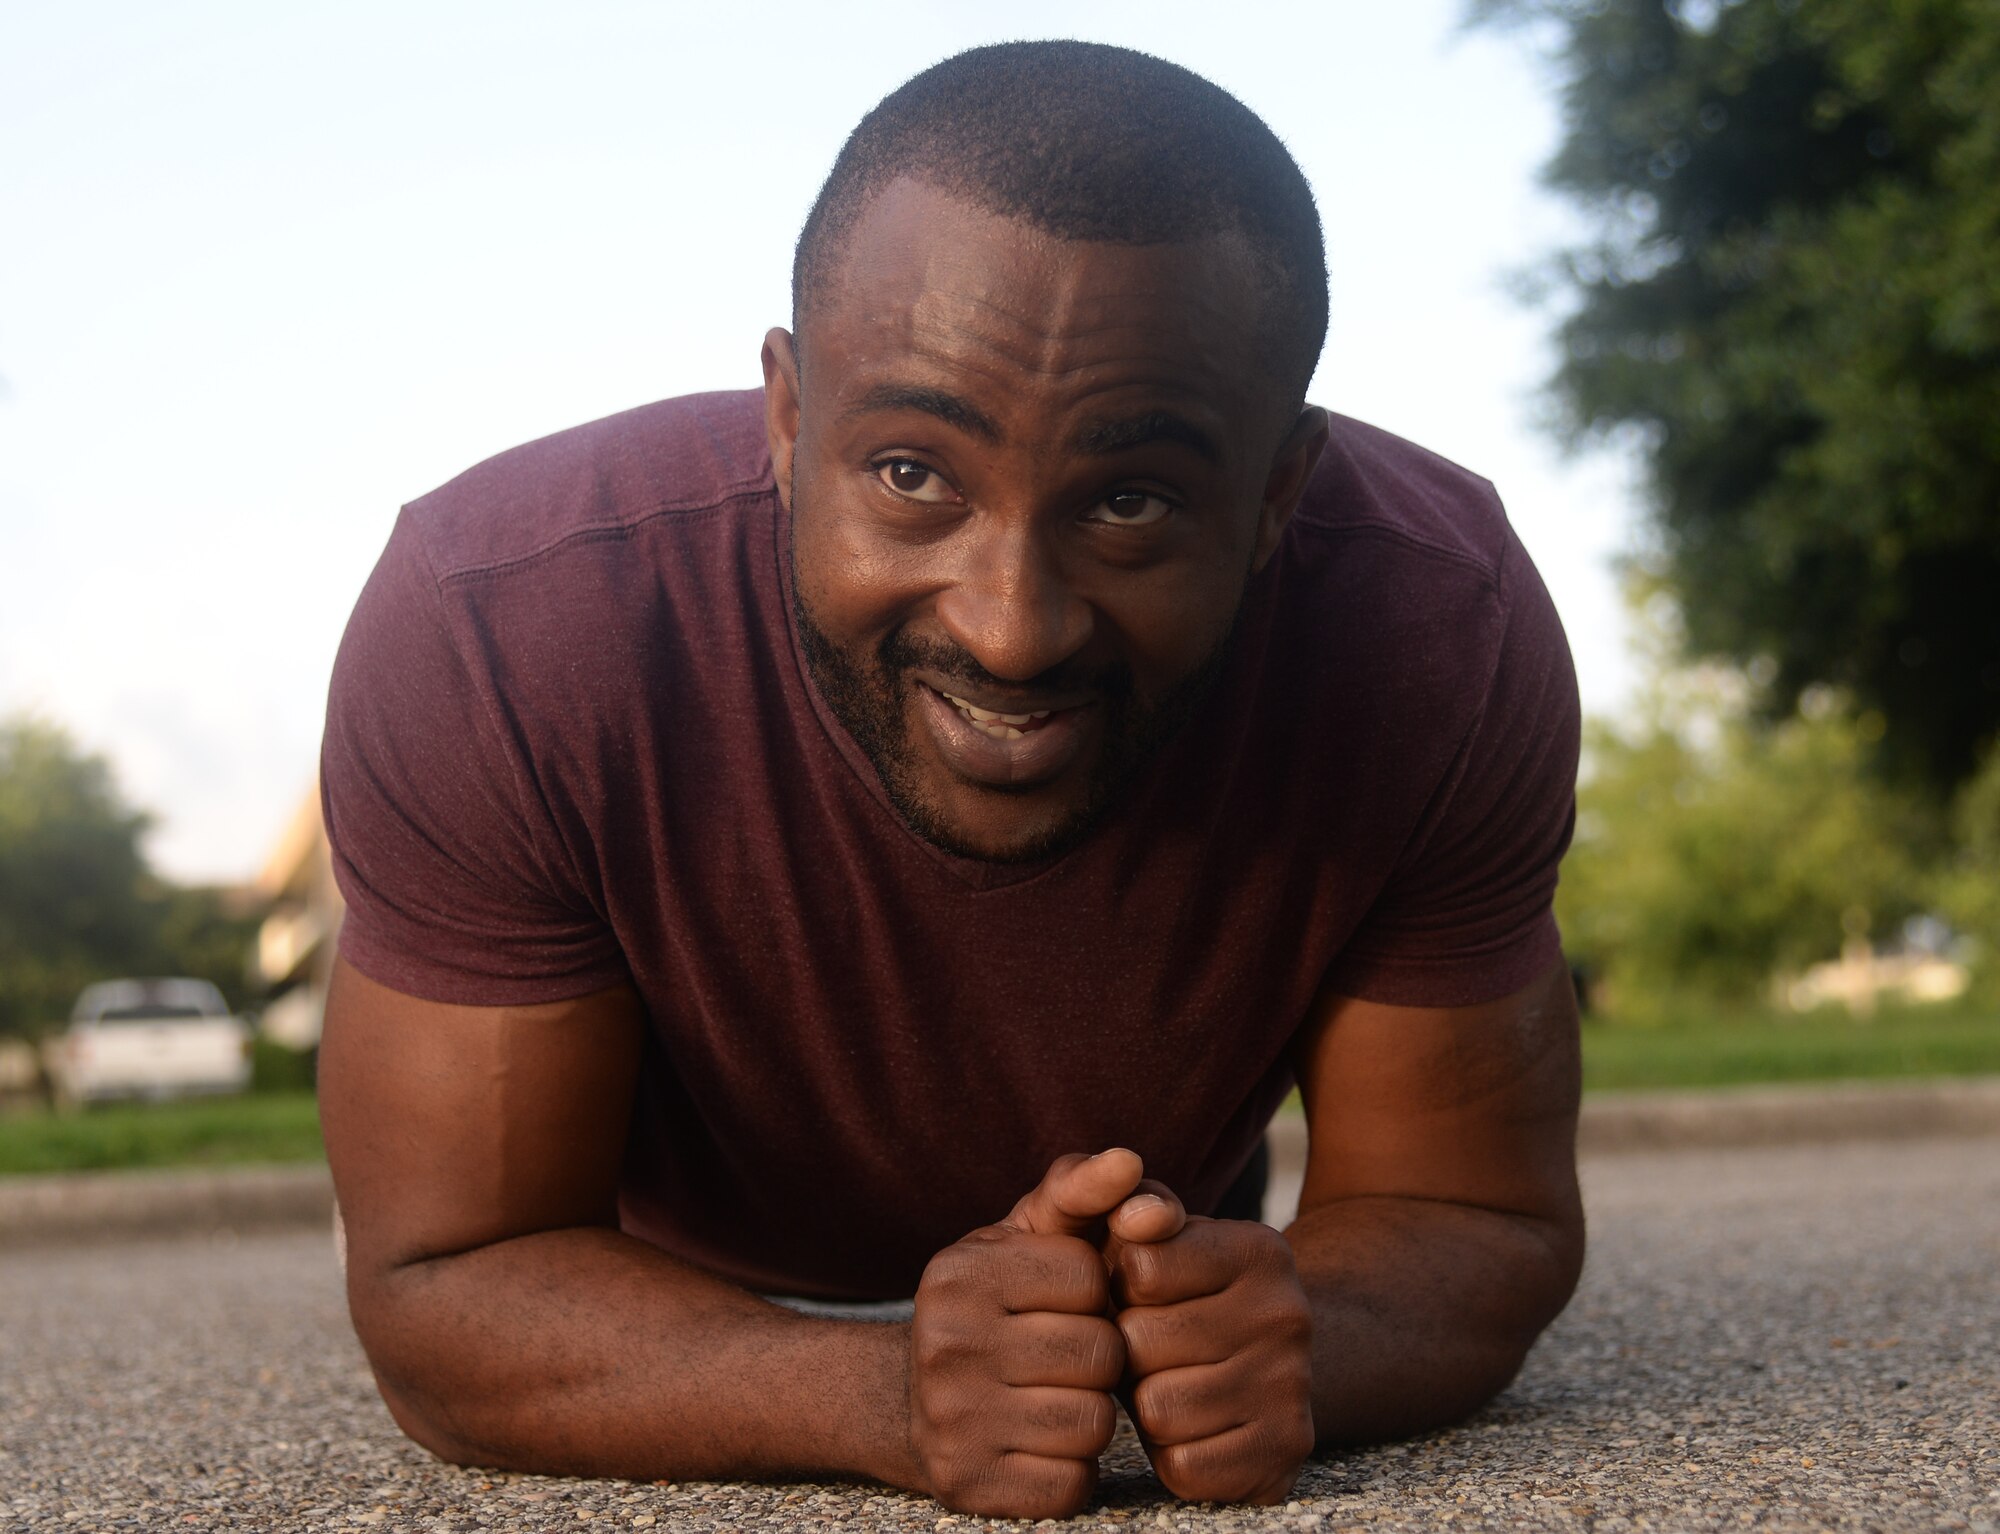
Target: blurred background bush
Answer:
[[1789, 306]]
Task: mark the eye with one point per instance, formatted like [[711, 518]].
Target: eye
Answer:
[[1130, 508], [913, 481]]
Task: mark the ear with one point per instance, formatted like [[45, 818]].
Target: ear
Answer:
[[1291, 471], [781, 406]]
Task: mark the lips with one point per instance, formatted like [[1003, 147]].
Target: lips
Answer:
[[1002, 749]]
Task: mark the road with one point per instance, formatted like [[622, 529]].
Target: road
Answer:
[[1793, 1338]]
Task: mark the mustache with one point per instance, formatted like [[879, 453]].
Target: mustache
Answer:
[[902, 652]]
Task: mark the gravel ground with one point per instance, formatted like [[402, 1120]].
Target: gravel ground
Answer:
[[1798, 1338]]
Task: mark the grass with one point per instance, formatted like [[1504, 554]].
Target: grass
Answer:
[[274, 1126], [1711, 1049]]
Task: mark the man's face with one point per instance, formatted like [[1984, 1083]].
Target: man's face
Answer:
[[1029, 479]]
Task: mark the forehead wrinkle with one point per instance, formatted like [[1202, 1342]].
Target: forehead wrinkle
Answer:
[[960, 344]]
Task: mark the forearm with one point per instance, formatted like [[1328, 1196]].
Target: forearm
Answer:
[[588, 1352], [1423, 1311]]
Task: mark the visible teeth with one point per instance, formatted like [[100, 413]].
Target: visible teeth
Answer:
[[989, 716], [999, 726]]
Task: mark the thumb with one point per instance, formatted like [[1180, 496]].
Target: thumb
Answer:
[[1077, 1192]]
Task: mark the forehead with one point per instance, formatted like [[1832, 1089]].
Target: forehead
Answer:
[[930, 288]]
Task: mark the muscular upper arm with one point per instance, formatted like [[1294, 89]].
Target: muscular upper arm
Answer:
[[452, 1127], [1467, 1105]]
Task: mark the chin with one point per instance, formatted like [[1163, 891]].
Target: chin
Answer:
[[1013, 832]]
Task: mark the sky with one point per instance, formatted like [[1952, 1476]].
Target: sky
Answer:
[[269, 271]]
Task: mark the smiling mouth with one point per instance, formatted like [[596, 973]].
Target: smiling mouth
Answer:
[[1011, 751], [990, 722]]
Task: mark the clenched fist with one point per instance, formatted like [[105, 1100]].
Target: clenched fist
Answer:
[[1012, 1358], [1218, 1342]]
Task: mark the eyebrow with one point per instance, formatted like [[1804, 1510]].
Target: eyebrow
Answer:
[[1102, 438], [947, 407], [1099, 439]]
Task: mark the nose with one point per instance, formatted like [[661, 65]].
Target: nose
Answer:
[[1013, 607]]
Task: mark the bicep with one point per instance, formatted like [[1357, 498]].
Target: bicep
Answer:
[[1472, 1105], [455, 1127]]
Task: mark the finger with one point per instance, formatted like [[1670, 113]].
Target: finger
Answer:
[[1022, 1485], [1199, 1331], [1086, 1352], [1077, 1192], [1057, 1422], [1064, 1274], [1197, 1401], [1206, 1257], [1254, 1462], [1154, 1212], [977, 1281]]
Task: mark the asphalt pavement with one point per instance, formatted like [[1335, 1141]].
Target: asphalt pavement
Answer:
[[1794, 1337]]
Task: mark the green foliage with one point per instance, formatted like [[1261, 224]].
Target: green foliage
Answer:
[[71, 909], [1793, 306], [275, 1067], [208, 1132], [77, 901], [206, 933], [1969, 889], [1714, 849], [1694, 1045]]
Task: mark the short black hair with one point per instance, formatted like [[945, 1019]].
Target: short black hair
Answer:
[[1087, 142]]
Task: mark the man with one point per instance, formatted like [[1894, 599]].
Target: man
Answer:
[[905, 831]]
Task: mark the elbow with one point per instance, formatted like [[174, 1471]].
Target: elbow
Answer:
[[426, 1427], [425, 1388]]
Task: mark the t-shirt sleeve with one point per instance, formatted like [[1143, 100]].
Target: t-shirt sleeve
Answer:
[[456, 883], [1467, 913]]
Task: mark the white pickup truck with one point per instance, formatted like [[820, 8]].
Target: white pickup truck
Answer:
[[148, 1038]]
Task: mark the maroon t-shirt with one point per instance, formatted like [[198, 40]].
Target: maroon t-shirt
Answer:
[[572, 742]]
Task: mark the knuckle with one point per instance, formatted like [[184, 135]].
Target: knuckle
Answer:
[[960, 1267], [1075, 1271], [959, 1475], [945, 1411], [1200, 1472], [1096, 1421], [1143, 1271], [1064, 1488], [1158, 1403], [1149, 1334], [1180, 1469], [1073, 1417], [942, 1343], [1078, 1426], [1104, 1355]]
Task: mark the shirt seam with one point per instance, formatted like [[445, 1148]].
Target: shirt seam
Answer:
[[1489, 571], [622, 528]]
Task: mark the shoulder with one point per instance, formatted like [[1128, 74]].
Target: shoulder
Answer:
[[603, 480], [1377, 488], [1403, 606]]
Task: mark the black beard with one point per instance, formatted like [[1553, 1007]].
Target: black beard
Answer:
[[870, 701]]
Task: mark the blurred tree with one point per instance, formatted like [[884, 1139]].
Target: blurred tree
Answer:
[[1715, 849], [1969, 890], [207, 933], [77, 901], [1793, 307], [71, 908]]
